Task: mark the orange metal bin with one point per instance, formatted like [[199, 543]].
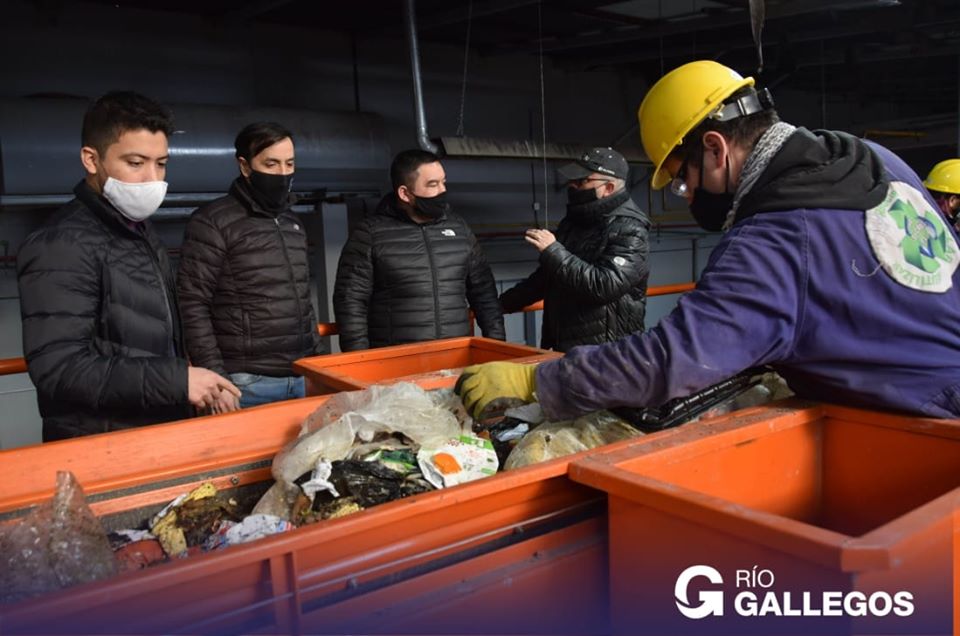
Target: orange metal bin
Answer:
[[523, 551], [810, 504], [419, 363]]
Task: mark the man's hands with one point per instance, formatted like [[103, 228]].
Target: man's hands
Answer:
[[540, 239], [480, 384], [211, 391]]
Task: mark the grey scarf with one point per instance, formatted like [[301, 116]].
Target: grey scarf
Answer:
[[763, 151]]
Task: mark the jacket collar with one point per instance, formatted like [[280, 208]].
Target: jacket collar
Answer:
[[595, 210]]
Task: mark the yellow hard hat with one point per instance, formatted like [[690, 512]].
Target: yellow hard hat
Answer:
[[945, 177], [677, 103]]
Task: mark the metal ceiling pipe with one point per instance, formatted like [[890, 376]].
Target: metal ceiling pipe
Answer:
[[336, 151], [423, 138]]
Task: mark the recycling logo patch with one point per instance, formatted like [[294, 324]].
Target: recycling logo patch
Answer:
[[912, 241]]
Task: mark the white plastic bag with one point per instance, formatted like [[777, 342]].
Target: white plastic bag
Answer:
[[331, 430]]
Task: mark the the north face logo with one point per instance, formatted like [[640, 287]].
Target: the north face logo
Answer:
[[448, 233]]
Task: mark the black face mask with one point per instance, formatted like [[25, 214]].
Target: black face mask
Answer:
[[272, 191], [432, 207], [580, 197], [710, 209]]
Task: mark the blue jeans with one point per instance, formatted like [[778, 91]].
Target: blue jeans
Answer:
[[263, 389]]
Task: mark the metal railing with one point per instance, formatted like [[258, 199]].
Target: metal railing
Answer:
[[10, 366]]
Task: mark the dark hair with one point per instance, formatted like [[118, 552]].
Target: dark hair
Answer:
[[257, 137], [118, 112], [405, 165], [744, 131]]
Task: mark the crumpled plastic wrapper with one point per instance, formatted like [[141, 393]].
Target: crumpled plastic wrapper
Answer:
[[557, 439], [355, 417], [59, 544]]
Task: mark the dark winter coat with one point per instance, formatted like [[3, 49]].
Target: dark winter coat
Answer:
[[244, 284], [839, 272], [399, 281], [100, 329], [593, 279]]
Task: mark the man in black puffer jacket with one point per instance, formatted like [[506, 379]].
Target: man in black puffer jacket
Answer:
[[593, 274], [244, 278], [411, 270], [101, 332]]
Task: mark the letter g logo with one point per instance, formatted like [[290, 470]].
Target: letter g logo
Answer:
[[711, 602]]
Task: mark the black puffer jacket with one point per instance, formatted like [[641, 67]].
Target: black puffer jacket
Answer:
[[100, 329], [593, 279], [399, 281], [244, 285]]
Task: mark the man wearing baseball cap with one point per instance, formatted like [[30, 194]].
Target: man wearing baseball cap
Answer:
[[592, 275]]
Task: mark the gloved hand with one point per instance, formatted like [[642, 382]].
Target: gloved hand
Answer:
[[480, 384]]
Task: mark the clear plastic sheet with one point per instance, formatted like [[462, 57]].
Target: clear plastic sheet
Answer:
[[59, 544]]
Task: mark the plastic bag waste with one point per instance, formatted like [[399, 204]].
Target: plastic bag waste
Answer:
[[252, 528], [59, 544], [556, 439], [751, 387], [458, 461], [770, 387], [331, 430]]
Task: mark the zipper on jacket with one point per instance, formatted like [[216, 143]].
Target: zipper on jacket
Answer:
[[293, 280], [436, 285], [154, 259]]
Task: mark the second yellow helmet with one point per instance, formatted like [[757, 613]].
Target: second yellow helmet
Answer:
[[945, 177]]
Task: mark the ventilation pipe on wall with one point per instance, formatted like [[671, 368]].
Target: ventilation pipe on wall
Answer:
[[423, 138], [337, 152]]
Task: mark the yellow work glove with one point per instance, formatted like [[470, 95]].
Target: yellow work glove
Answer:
[[480, 384]]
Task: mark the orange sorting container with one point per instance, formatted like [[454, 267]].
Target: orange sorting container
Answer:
[[520, 552], [803, 520], [425, 363]]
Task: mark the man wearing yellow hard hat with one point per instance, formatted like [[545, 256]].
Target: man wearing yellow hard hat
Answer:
[[835, 268], [943, 182]]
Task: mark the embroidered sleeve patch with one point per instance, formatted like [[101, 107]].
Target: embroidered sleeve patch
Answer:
[[911, 240]]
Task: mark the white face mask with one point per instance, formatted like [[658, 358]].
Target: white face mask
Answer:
[[136, 201]]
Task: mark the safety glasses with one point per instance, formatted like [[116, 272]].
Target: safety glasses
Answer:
[[679, 183]]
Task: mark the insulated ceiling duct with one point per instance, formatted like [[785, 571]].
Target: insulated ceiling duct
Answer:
[[338, 152]]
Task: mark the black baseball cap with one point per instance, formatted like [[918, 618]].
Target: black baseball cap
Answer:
[[600, 160]]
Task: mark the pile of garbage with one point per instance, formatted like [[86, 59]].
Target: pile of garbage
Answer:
[[358, 450], [364, 448]]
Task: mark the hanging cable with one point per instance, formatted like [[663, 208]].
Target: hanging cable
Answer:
[[466, 58], [823, 88], [758, 14], [543, 117], [660, 29]]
